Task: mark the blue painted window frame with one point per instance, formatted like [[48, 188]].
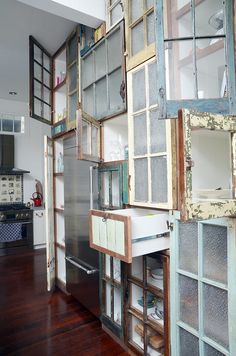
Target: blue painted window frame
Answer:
[[226, 105]]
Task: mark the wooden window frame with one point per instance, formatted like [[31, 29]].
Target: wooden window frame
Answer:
[[148, 50], [170, 148], [225, 105], [109, 7]]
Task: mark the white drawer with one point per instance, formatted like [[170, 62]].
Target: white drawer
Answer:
[[128, 233]]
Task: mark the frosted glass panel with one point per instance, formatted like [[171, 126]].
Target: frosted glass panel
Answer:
[[46, 62], [188, 301], [100, 61], [115, 188], [215, 252], [188, 247], [150, 28], [72, 77], [108, 299], [38, 107], [38, 54], [87, 70], [88, 100], [141, 179], [152, 81], [72, 55], [137, 38], [215, 311], [72, 99], [116, 269], [116, 14], [209, 351], [117, 306], [47, 112], [47, 95], [95, 135], [46, 78], [140, 134], [136, 7], [159, 179], [114, 82], [101, 97], [114, 50], [86, 144], [210, 18], [105, 176], [157, 133], [138, 87], [188, 344], [37, 89], [150, 3], [37, 72]]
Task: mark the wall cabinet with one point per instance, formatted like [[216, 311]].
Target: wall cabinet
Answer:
[[203, 287], [127, 233]]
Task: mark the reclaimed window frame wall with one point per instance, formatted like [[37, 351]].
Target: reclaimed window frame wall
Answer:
[[144, 143], [166, 41], [100, 98], [202, 266]]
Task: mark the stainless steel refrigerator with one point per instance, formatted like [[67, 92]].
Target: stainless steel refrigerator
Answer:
[[81, 194]]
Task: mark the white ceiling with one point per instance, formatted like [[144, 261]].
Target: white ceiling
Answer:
[[17, 22]]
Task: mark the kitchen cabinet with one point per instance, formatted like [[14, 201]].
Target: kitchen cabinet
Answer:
[[147, 306], [39, 228], [152, 143], [195, 51], [103, 76], [206, 150], [140, 31], [203, 286], [127, 233]]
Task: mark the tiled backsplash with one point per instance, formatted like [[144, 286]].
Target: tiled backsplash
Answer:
[[11, 189]]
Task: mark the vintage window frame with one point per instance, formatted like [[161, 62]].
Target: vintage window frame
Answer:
[[109, 113], [32, 43], [188, 120], [148, 50], [170, 152], [110, 5], [225, 105]]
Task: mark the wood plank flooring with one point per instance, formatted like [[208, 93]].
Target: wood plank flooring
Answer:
[[35, 322]]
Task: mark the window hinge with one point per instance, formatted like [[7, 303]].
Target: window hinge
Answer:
[[170, 226]]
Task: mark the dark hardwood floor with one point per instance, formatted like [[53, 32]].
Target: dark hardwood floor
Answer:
[[35, 322]]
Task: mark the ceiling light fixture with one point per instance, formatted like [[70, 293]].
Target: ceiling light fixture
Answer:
[[12, 93]]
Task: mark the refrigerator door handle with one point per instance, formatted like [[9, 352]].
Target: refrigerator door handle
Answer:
[[78, 265], [91, 168]]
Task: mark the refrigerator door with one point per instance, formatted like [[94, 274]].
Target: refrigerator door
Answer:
[[81, 191]]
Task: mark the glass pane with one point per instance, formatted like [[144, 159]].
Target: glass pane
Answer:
[[150, 3], [117, 269], [87, 71], [137, 301], [72, 50], [188, 246], [179, 70], [188, 343], [117, 306], [37, 89], [115, 186], [37, 71], [47, 95], [72, 74], [215, 252], [141, 179], [88, 100], [137, 267], [38, 107], [159, 179], [86, 138], [72, 103], [155, 343], [136, 9], [140, 134], [138, 89], [116, 14], [105, 188], [108, 299], [209, 17], [177, 19], [95, 139], [137, 38], [156, 311], [114, 50], [46, 78], [188, 301], [38, 54], [7, 125], [136, 331], [101, 98], [157, 133], [100, 61], [17, 125], [155, 272], [211, 154], [114, 82], [209, 351], [46, 62], [107, 265], [152, 81], [211, 71], [215, 311], [47, 112], [150, 28]]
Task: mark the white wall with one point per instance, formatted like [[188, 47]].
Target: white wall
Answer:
[[29, 147]]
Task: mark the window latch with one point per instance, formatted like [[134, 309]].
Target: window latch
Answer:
[[162, 92], [189, 163], [122, 90]]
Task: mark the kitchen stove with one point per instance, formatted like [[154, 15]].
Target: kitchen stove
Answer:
[[15, 212]]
